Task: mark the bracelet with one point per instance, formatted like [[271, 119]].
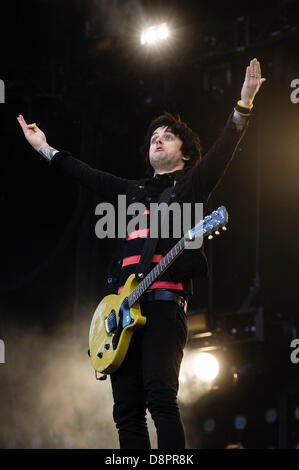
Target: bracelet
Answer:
[[249, 106], [243, 109]]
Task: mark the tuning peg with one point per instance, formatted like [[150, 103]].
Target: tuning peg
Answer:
[[224, 228], [210, 237], [217, 232]]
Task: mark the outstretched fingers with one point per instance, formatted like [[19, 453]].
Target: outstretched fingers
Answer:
[[253, 71], [22, 122], [24, 125]]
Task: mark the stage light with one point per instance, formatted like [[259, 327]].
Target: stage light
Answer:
[[201, 365], [271, 416], [154, 34], [209, 425], [197, 374], [240, 422], [206, 367]]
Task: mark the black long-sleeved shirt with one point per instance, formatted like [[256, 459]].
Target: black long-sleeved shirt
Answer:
[[192, 184]]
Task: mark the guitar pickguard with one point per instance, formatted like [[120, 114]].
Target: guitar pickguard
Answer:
[[124, 319]]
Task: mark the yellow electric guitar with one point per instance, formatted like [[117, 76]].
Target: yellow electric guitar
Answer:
[[118, 315]]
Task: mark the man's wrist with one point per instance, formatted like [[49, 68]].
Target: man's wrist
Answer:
[[47, 151], [242, 109], [246, 103]]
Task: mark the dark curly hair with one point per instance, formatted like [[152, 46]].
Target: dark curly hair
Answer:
[[191, 146]]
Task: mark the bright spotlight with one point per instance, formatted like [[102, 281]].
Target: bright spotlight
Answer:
[[154, 34], [197, 373], [206, 367], [202, 366]]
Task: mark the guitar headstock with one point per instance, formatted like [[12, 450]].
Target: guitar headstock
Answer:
[[211, 223], [215, 220]]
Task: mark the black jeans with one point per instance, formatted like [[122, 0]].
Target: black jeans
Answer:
[[148, 378]]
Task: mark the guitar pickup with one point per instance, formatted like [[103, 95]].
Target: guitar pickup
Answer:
[[110, 323]]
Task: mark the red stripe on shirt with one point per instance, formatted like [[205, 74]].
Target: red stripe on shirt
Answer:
[[161, 285], [138, 234], [135, 259]]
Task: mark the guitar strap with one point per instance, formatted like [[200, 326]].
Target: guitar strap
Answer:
[[151, 243]]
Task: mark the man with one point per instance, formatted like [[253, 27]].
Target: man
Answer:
[[148, 377]]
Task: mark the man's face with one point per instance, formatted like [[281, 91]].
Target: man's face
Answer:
[[165, 151]]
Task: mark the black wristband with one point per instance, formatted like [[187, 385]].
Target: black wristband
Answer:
[[243, 110]]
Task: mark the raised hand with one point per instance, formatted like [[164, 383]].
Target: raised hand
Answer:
[[36, 138], [33, 134], [252, 82]]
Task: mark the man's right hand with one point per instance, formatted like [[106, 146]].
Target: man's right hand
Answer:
[[37, 139], [33, 134]]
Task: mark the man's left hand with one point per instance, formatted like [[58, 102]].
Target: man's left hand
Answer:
[[252, 82]]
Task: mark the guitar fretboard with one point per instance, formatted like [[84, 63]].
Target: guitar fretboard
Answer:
[[210, 224]]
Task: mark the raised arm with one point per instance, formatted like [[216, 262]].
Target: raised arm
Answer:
[[212, 167], [105, 184]]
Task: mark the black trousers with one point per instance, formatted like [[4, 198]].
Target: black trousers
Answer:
[[148, 378]]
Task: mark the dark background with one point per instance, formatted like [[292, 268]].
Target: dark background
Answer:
[[77, 69]]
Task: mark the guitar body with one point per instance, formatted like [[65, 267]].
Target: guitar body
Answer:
[[111, 328]]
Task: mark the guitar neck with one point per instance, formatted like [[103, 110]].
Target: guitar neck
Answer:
[[157, 271], [205, 227]]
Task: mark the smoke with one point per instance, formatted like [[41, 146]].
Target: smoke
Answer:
[[116, 16], [50, 397], [191, 386]]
